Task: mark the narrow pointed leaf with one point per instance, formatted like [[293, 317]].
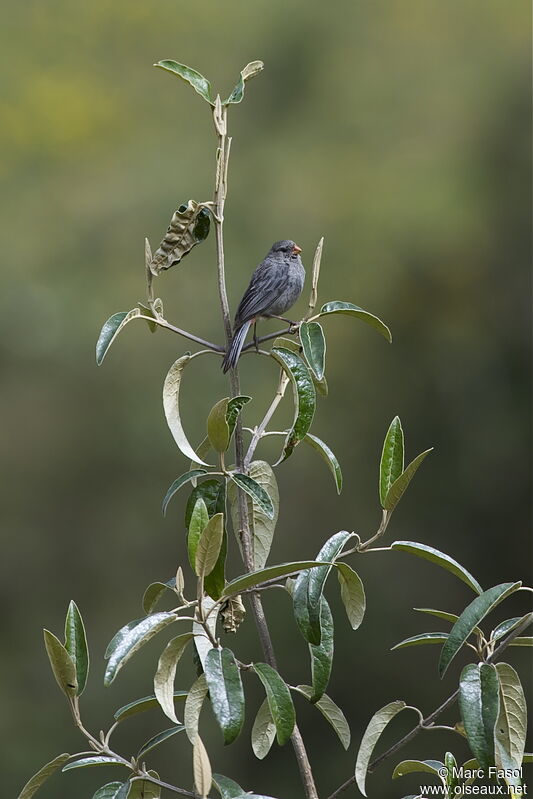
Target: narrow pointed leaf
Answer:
[[63, 666], [352, 594], [217, 426], [166, 672], [442, 614], [522, 640], [154, 592], [279, 701], [249, 71], [416, 766], [189, 75], [392, 458], [202, 643], [331, 712], [322, 654], [197, 524], [225, 691], [479, 704], [216, 579], [178, 483], [203, 775], [256, 492], [337, 306], [423, 638], [507, 626], [263, 732], [119, 636], [377, 724], [440, 559], [76, 645], [235, 406], [113, 790], [304, 397], [470, 617], [399, 486], [143, 704], [209, 545], [159, 739], [110, 331], [314, 347], [134, 639], [171, 390], [193, 707], [97, 760], [262, 527], [328, 456], [38, 779], [240, 584], [511, 724]]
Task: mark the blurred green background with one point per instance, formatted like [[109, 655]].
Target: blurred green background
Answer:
[[397, 129]]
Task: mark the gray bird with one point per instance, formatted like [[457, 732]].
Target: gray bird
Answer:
[[275, 286]]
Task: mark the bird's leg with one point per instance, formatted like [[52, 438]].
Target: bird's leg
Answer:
[[256, 342]]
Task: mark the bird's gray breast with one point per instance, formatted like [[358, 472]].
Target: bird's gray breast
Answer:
[[291, 288]]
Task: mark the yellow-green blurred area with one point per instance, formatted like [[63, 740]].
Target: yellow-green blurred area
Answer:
[[399, 130]]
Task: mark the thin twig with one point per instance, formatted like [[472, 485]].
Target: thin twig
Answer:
[[288, 331], [184, 333], [260, 429]]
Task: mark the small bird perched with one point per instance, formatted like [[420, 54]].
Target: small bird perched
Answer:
[[275, 286]]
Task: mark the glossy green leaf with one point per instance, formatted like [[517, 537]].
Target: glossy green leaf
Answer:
[[451, 779], [216, 580], [442, 614], [76, 644], [336, 306], [377, 724], [203, 775], [133, 639], [249, 71], [262, 527], [322, 653], [119, 635], [178, 483], [154, 592], [470, 617], [197, 524], [263, 731], [423, 638], [38, 779], [320, 385], [213, 493], [392, 458], [501, 630], [63, 666], [440, 559], [251, 579], [511, 724], [304, 397], [352, 594], [328, 456], [256, 492], [235, 406], [415, 766], [227, 788], [314, 347], [191, 76], [193, 707], [113, 790], [110, 331], [217, 426], [479, 705], [331, 712], [159, 739], [143, 704], [279, 701], [96, 760], [171, 390], [166, 672], [225, 691], [189, 226], [209, 545], [398, 488]]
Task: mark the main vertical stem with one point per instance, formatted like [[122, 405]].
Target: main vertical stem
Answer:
[[224, 143]]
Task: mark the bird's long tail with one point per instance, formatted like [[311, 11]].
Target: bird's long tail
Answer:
[[237, 343]]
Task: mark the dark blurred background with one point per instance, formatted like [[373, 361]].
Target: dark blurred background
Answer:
[[398, 130]]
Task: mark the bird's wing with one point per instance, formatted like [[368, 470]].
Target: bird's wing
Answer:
[[265, 287]]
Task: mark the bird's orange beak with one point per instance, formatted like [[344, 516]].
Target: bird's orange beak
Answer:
[[296, 249]]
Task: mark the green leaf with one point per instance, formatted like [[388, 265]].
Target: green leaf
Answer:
[[352, 594], [240, 584], [392, 458], [143, 704], [279, 701], [507, 626], [423, 638], [154, 592], [398, 488], [227, 788], [63, 666], [256, 492], [320, 385], [197, 524], [479, 704], [336, 306], [117, 638], [209, 545], [191, 76], [166, 672], [213, 493], [522, 641], [328, 456], [415, 766], [511, 724], [314, 347], [159, 739], [331, 712], [470, 617], [193, 707], [235, 406], [96, 760], [110, 331], [76, 644], [216, 580], [225, 691], [442, 614], [171, 390], [304, 397], [377, 724], [217, 426], [113, 790], [261, 526], [452, 780], [201, 641], [263, 731], [249, 71], [178, 483], [203, 775], [322, 654], [131, 639], [440, 559], [38, 779]]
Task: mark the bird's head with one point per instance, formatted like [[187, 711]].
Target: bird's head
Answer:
[[286, 248]]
